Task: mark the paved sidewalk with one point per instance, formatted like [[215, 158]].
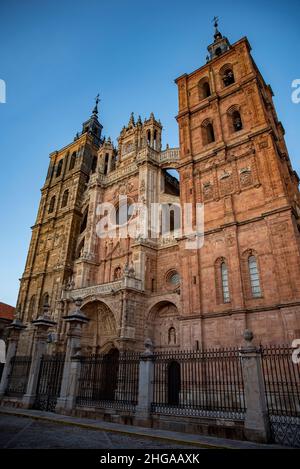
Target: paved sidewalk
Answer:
[[200, 441]]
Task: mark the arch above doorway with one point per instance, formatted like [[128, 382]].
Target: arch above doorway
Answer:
[[162, 325], [100, 333]]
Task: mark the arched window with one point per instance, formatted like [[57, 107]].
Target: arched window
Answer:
[[106, 159], [148, 137], [65, 198], [227, 76], [52, 204], [254, 277], [155, 143], [236, 121], [46, 299], [225, 284], [170, 218], [204, 88], [222, 281], [208, 134], [72, 160], [94, 164], [84, 220], [124, 213], [59, 168]]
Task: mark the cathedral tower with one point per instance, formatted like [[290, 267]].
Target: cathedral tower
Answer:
[[59, 221], [234, 160]]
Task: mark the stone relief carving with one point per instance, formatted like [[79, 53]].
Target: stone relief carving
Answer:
[[263, 144], [143, 185], [208, 191], [246, 178], [123, 188], [226, 183]]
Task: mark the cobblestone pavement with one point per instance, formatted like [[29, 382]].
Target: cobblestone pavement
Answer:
[[20, 432]]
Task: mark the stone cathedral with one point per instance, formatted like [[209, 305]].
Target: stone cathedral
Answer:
[[233, 159]]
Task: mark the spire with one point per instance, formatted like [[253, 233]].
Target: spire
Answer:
[[95, 110], [92, 125], [217, 34], [220, 44], [131, 120]]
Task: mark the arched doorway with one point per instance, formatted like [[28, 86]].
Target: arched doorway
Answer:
[[174, 379], [101, 328], [162, 326], [109, 375]]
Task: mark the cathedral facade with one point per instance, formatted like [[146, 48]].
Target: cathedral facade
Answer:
[[233, 160]]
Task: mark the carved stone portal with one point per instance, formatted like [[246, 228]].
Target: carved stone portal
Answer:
[[100, 330], [163, 325]]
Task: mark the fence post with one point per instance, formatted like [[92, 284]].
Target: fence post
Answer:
[[71, 372], [257, 426], [15, 328], [145, 393], [42, 324]]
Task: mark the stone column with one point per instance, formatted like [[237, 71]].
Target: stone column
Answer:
[[76, 319], [42, 325], [145, 396], [15, 328], [257, 426]]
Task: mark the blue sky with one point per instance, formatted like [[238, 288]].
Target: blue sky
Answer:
[[55, 56]]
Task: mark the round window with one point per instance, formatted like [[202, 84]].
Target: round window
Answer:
[[173, 278]]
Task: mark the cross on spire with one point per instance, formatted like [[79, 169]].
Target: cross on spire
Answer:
[[97, 100], [217, 34], [216, 21]]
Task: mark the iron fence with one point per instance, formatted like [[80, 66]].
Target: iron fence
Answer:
[[199, 383], [49, 381], [282, 387], [18, 377], [109, 380]]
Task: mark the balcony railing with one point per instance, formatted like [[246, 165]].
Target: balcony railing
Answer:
[[104, 288]]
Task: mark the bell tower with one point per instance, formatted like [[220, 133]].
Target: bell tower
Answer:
[[234, 160], [52, 250], [152, 133]]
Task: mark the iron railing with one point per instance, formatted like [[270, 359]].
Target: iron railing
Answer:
[[282, 380], [282, 388], [18, 377], [199, 383], [49, 381], [109, 381]]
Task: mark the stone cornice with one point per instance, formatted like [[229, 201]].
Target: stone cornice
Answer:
[[233, 312]]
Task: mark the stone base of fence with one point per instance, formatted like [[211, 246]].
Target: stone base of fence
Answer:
[[232, 429], [6, 401]]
